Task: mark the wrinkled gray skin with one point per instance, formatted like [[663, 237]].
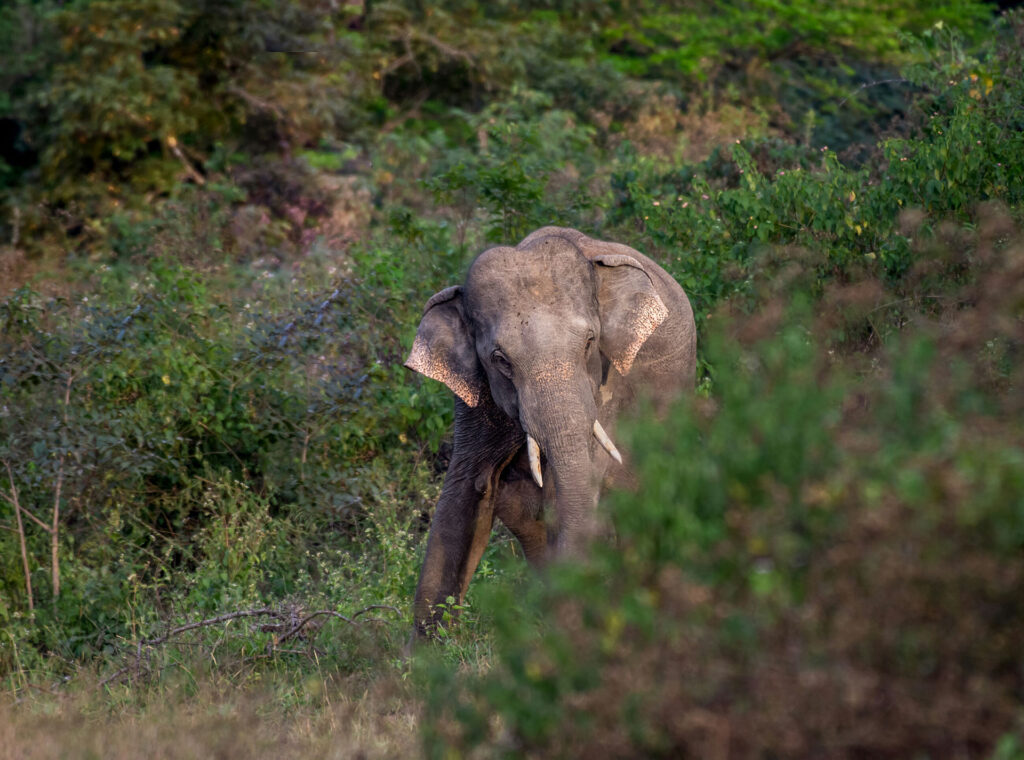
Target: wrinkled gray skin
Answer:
[[543, 339]]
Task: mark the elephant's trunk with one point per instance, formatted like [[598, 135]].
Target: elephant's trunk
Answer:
[[533, 452], [561, 425]]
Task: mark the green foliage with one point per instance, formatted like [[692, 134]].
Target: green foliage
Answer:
[[219, 224], [696, 38], [521, 146], [129, 100], [125, 103], [712, 221], [169, 425]]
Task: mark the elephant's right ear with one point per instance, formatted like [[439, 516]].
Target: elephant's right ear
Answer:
[[443, 349]]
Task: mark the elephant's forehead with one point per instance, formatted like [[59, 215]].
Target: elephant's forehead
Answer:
[[559, 280]]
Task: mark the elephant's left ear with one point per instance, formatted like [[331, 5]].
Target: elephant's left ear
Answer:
[[630, 307]]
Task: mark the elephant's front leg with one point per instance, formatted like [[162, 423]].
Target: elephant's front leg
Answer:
[[458, 535], [485, 440], [519, 504]]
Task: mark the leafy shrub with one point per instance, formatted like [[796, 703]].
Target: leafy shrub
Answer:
[[176, 431], [710, 224], [521, 146]]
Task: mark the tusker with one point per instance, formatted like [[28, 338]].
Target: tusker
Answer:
[[543, 346]]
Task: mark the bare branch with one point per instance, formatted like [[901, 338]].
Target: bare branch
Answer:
[[898, 80], [376, 607], [319, 613], [263, 105], [331, 613], [409, 113], [142, 646], [21, 537], [196, 177], [445, 48], [35, 519], [54, 535], [208, 622], [112, 676]]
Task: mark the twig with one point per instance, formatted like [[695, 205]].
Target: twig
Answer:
[[443, 47], [410, 112], [224, 443], [54, 532], [208, 622], [35, 519], [142, 646], [21, 537], [376, 607], [252, 100], [398, 63], [43, 689], [198, 178], [112, 676], [319, 613], [322, 613], [871, 84]]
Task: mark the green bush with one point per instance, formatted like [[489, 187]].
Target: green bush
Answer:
[[710, 224], [522, 145], [185, 437]]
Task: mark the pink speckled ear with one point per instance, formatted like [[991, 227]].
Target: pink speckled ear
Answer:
[[630, 307], [443, 349]]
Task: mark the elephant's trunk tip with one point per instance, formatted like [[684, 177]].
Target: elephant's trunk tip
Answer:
[[533, 451], [604, 440]]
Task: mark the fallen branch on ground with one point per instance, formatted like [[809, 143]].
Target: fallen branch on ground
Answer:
[[291, 624]]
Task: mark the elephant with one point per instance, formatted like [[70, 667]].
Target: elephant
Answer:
[[543, 347]]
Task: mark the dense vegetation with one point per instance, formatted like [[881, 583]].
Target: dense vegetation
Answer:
[[218, 223]]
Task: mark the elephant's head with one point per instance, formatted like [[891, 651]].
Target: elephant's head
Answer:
[[539, 329]]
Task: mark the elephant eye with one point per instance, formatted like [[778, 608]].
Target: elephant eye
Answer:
[[501, 362], [589, 347]]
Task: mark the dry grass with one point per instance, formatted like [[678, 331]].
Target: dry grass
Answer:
[[346, 718], [666, 129]]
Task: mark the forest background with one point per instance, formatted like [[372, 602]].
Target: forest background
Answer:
[[218, 224]]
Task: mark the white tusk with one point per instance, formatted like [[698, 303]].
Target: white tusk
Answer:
[[533, 451], [605, 441]]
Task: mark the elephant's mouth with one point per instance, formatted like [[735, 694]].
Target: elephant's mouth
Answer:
[[533, 451]]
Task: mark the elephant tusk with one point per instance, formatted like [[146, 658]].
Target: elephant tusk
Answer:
[[533, 451], [605, 441]]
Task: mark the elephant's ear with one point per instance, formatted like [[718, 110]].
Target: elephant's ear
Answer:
[[443, 349], [630, 306]]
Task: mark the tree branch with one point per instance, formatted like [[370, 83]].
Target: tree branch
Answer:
[[897, 80], [21, 537], [283, 615], [198, 178], [35, 519]]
